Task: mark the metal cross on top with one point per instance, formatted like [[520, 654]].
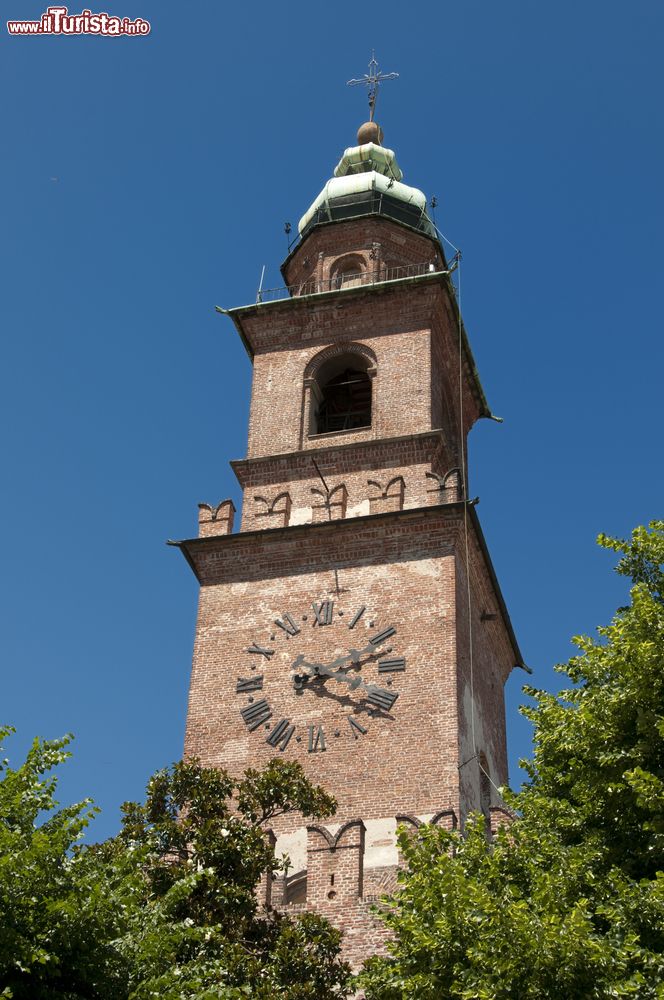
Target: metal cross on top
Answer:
[[372, 80]]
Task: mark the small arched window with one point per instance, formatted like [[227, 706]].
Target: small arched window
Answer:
[[344, 395], [347, 273]]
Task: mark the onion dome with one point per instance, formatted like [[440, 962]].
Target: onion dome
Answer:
[[367, 181]]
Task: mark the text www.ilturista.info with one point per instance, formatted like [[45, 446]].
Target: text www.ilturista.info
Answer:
[[58, 21]]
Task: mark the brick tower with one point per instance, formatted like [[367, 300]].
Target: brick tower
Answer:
[[354, 622]]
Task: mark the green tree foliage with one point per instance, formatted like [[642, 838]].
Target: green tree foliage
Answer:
[[569, 902], [200, 933], [56, 921], [167, 908]]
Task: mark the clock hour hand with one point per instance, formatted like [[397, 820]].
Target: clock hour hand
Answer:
[[352, 657], [376, 696], [353, 681], [301, 669]]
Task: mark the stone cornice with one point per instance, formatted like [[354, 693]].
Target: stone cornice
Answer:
[[299, 464], [250, 549], [336, 296]]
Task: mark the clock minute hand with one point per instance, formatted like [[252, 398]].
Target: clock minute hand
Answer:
[[353, 682], [301, 668]]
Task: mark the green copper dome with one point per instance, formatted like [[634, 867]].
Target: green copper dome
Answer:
[[367, 181]]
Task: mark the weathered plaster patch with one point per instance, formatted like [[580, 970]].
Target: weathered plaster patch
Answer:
[[301, 515], [295, 846], [360, 509], [380, 845], [425, 567]]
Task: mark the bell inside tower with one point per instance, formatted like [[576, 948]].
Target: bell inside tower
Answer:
[[345, 396]]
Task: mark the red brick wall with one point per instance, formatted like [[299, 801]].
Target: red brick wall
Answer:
[[402, 568], [492, 661], [395, 326], [323, 246], [415, 388], [408, 569]]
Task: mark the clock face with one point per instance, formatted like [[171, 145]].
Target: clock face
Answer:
[[326, 661]]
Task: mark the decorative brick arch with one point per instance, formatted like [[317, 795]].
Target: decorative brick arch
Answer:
[[334, 840], [335, 863], [390, 498], [332, 506], [353, 265], [445, 818], [449, 486], [215, 520], [406, 819], [336, 350], [277, 510]]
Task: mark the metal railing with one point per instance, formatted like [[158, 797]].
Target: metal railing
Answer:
[[373, 276]]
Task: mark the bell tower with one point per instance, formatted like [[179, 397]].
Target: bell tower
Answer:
[[355, 622]]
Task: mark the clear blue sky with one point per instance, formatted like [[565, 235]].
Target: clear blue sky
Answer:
[[145, 180]]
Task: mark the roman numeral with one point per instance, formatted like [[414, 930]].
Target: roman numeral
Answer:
[[256, 714], [316, 739], [323, 612], [382, 699], [389, 666], [357, 616], [255, 648], [355, 727], [288, 625], [249, 684], [281, 734], [382, 636]]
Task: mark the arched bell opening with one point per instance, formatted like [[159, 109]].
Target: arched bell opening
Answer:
[[341, 395]]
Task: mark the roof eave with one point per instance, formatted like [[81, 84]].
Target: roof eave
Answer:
[[299, 301], [204, 542]]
